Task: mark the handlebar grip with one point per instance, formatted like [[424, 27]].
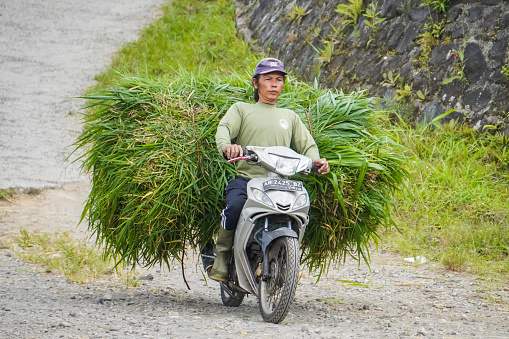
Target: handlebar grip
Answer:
[[245, 152]]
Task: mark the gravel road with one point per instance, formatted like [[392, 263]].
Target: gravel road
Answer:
[[399, 299], [52, 50], [405, 302]]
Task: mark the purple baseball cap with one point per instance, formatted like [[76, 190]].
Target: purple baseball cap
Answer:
[[269, 65]]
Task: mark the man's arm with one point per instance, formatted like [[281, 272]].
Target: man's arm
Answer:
[[227, 130], [303, 142]]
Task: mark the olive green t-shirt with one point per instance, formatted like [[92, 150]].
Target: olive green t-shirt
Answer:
[[263, 125]]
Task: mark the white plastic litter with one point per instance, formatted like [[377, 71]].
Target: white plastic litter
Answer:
[[418, 259]]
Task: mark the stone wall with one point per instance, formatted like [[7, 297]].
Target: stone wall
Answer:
[[474, 38]]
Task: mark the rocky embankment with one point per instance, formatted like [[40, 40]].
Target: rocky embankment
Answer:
[[439, 61]]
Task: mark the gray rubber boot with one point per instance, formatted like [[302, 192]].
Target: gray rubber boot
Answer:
[[219, 271]]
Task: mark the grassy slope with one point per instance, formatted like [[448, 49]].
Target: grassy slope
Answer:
[[456, 207], [198, 36]]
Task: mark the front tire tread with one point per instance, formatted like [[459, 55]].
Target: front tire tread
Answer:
[[290, 286]]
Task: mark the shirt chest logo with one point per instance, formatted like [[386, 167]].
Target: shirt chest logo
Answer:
[[283, 123]]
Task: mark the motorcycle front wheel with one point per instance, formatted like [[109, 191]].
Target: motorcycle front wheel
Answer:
[[276, 294]]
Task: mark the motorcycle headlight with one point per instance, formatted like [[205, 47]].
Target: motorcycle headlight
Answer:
[[287, 166], [262, 197], [300, 201]]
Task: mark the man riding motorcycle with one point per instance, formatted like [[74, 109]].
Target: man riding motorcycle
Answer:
[[260, 124]]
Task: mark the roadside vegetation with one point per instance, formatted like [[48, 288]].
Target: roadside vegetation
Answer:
[[455, 208], [61, 254], [6, 193]]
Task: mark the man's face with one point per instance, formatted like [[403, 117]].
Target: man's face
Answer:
[[269, 87]]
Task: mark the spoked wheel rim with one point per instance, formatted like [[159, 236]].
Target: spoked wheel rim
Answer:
[[276, 293], [273, 287]]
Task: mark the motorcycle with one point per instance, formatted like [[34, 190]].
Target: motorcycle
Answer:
[[265, 260]]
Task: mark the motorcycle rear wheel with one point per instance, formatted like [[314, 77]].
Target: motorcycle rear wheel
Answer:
[[276, 294], [231, 297]]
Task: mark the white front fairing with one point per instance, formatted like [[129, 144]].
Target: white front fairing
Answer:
[[284, 204]]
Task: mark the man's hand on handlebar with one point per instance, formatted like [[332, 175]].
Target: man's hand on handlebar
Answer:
[[323, 165], [235, 151], [232, 151]]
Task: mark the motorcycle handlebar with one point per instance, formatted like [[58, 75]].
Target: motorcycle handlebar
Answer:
[[246, 155], [243, 154], [250, 155]]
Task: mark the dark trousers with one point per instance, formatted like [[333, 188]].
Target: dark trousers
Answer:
[[236, 196]]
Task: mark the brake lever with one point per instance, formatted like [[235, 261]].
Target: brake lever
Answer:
[[250, 154], [238, 158]]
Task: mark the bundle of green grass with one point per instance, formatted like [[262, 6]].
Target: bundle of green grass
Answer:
[[158, 180]]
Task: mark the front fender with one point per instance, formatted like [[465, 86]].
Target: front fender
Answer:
[[270, 236], [267, 238]]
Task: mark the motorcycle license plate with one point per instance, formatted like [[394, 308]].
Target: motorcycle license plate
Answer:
[[282, 184]]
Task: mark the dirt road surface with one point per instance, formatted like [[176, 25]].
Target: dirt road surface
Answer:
[[399, 299], [51, 51]]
